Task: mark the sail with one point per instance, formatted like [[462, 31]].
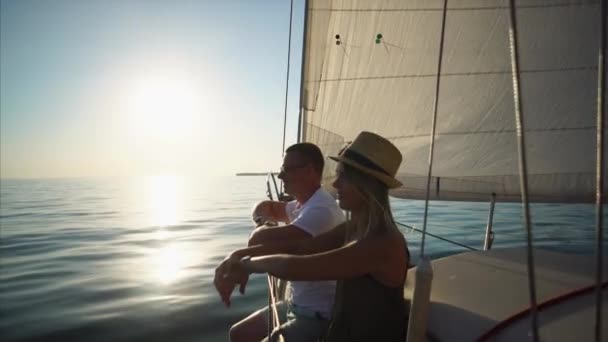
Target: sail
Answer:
[[372, 65]]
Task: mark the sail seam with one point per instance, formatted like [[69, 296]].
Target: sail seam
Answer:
[[421, 135], [558, 5], [474, 73], [502, 196], [493, 175]]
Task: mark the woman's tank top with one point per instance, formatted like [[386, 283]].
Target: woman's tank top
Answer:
[[367, 310]]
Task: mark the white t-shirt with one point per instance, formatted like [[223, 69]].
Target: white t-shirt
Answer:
[[318, 215]]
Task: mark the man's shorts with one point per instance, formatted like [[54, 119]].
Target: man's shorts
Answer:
[[298, 325]]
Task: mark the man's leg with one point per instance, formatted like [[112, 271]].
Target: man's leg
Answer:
[[255, 326], [300, 328], [303, 329]]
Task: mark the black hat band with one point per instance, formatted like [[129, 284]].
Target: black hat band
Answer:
[[363, 161]]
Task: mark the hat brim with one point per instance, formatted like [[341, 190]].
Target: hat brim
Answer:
[[391, 182]]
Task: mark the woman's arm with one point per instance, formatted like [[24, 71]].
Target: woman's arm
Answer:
[[321, 243], [229, 272], [374, 255]]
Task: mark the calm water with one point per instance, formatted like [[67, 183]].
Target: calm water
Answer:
[[133, 260]]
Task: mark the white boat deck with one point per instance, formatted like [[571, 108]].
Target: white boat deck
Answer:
[[473, 292]]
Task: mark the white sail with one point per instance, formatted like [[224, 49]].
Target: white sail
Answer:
[[388, 87]]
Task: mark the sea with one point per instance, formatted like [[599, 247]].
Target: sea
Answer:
[[133, 259]]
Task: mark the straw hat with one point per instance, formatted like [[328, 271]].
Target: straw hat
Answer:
[[373, 155]]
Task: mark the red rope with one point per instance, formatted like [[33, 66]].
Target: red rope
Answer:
[[549, 302]]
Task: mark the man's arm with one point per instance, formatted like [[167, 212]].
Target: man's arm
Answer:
[[291, 232], [266, 234], [310, 222], [329, 240]]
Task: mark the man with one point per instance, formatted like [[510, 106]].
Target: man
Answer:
[[312, 212]]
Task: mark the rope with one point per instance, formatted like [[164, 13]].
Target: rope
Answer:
[[287, 82], [302, 70], [437, 237], [270, 313], [287, 78], [273, 315], [268, 189], [522, 164], [601, 67], [432, 145]]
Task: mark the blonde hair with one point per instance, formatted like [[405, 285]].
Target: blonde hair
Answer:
[[376, 217]]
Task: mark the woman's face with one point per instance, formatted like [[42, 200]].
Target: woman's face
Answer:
[[349, 196]]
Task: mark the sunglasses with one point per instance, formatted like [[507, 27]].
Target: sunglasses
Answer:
[[287, 169]]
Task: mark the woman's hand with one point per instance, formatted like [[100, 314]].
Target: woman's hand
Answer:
[[226, 278], [222, 284], [238, 274]]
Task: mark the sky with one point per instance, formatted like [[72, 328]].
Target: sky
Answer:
[[126, 88]]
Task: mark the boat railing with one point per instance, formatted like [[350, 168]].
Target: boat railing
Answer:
[[276, 286], [271, 184], [489, 234]]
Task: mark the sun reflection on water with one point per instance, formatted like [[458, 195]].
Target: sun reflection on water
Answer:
[[166, 263], [162, 202]]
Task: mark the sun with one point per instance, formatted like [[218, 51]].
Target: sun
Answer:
[[163, 108]]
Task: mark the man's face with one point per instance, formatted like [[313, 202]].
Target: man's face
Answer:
[[293, 172]]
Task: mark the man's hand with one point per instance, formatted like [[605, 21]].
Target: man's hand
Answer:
[[260, 213], [269, 211], [258, 220]]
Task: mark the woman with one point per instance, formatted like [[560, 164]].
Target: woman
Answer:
[[367, 255]]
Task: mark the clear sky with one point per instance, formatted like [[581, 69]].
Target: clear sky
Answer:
[[124, 88]]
